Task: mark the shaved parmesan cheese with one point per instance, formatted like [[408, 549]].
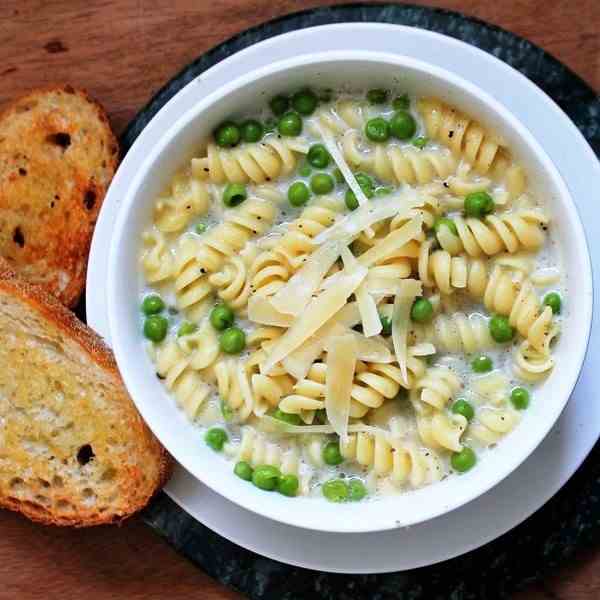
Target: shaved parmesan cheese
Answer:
[[342, 165], [367, 349], [298, 363], [371, 323], [424, 349], [392, 242], [261, 310], [408, 290], [293, 297], [400, 205], [316, 314], [341, 363]]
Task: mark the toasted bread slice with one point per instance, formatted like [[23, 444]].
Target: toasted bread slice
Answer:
[[73, 449], [57, 158]]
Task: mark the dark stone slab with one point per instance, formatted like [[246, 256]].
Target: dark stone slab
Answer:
[[566, 524]]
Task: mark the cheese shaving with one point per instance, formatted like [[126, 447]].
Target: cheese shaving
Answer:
[[293, 297], [408, 290], [261, 310], [341, 364], [317, 313], [392, 242], [376, 210]]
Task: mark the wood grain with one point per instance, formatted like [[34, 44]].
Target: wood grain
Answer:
[[122, 52]]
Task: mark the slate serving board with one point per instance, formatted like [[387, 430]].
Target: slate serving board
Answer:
[[566, 524]]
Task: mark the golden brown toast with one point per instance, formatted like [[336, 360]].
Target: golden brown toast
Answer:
[[57, 157], [73, 449]]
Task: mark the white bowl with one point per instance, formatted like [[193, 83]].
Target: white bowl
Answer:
[[183, 440]]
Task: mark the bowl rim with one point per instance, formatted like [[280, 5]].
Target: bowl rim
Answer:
[[127, 205]]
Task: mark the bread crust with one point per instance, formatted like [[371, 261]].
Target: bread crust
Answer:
[[91, 344], [58, 155]]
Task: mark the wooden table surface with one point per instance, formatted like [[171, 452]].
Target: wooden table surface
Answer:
[[122, 52]]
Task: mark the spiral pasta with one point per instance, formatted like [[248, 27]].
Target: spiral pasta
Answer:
[[157, 260], [373, 384], [435, 389], [257, 163], [189, 198], [509, 231], [273, 267], [448, 273], [395, 164], [493, 424], [464, 136], [197, 257], [531, 364], [180, 379], [340, 117], [440, 430], [517, 300], [405, 463], [232, 282], [456, 333]]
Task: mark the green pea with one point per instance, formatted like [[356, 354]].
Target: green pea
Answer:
[[331, 453], [322, 183], [290, 124], [243, 470], [221, 317], [289, 418], [554, 301], [377, 96], [401, 103], [187, 328], [298, 193], [520, 398], [339, 176], [366, 184], [234, 194], [251, 131], [479, 204], [318, 156], [305, 102], [216, 438], [421, 311], [500, 329], [335, 490], [420, 142], [482, 364], [200, 228], [288, 485], [377, 130], [464, 408], [233, 340], [152, 305], [445, 222], [403, 125], [350, 200], [356, 490], [464, 460], [386, 325], [383, 190], [155, 328], [266, 477], [304, 170], [227, 135], [279, 104], [226, 410]]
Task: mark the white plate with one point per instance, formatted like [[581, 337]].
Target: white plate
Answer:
[[542, 475]]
